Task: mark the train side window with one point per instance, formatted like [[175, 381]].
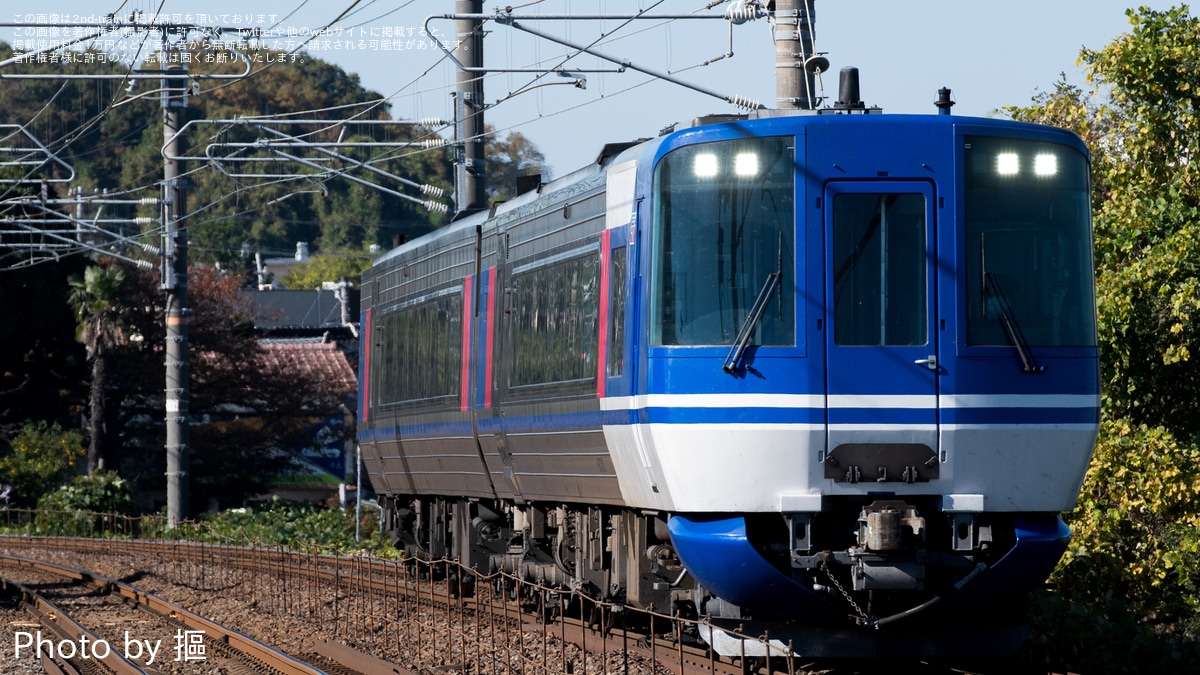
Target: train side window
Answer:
[[420, 351], [616, 313], [880, 270], [555, 323]]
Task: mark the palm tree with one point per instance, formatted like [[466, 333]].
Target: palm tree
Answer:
[[96, 299]]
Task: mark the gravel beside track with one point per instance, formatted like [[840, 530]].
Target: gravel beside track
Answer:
[[296, 603], [434, 634], [15, 619], [118, 621]]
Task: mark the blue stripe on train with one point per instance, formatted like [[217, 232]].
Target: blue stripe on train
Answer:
[[592, 419]]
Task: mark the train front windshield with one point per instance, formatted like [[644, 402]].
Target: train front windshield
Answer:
[[1028, 243], [724, 236]]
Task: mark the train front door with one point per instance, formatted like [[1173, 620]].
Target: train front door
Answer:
[[881, 340]]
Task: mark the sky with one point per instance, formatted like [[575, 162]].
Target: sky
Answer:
[[989, 54]]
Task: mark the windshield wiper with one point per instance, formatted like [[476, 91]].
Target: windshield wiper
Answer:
[[756, 313], [1008, 321]]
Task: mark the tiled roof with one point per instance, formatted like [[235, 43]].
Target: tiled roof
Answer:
[[323, 360]]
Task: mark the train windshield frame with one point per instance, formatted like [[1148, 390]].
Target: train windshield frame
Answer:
[[724, 232], [1028, 244]]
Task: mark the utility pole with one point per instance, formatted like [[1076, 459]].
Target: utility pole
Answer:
[[796, 64], [175, 282], [471, 171]]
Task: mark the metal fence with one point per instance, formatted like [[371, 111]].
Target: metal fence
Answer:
[[428, 616]]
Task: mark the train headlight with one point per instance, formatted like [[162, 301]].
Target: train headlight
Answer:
[[1007, 164], [745, 164], [705, 165], [1045, 164]]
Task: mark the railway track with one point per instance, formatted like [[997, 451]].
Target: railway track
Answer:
[[349, 614], [87, 623]]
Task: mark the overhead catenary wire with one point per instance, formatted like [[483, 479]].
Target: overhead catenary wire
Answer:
[[355, 9], [82, 129], [607, 37], [68, 139]]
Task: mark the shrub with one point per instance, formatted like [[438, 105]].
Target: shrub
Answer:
[[43, 456], [91, 505], [1136, 529]]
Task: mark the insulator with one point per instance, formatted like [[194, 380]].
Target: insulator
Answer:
[[743, 102], [740, 12], [142, 264], [151, 249], [437, 207], [434, 122], [432, 190], [433, 142], [144, 220], [148, 201]]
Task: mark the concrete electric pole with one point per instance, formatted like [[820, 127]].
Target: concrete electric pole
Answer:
[[175, 283], [471, 179], [796, 63]]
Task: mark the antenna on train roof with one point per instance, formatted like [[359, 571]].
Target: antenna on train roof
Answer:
[[848, 94], [944, 103]]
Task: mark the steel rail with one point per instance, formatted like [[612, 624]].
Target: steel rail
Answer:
[[248, 646], [378, 576], [59, 622]]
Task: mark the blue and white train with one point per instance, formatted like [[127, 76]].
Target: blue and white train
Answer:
[[820, 369]]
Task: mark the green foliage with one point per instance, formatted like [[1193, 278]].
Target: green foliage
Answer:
[[507, 158], [120, 148], [332, 267], [42, 457], [96, 298], [92, 505], [1147, 307], [100, 492], [247, 405], [1098, 637], [291, 524], [98, 301], [1135, 555], [1147, 228], [1142, 123], [1136, 527], [305, 478], [1153, 79]]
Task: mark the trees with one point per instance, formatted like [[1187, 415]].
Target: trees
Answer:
[[1145, 140], [508, 158], [332, 267], [43, 455], [41, 362], [120, 148], [246, 409], [96, 298], [244, 405], [331, 212], [1136, 533]]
